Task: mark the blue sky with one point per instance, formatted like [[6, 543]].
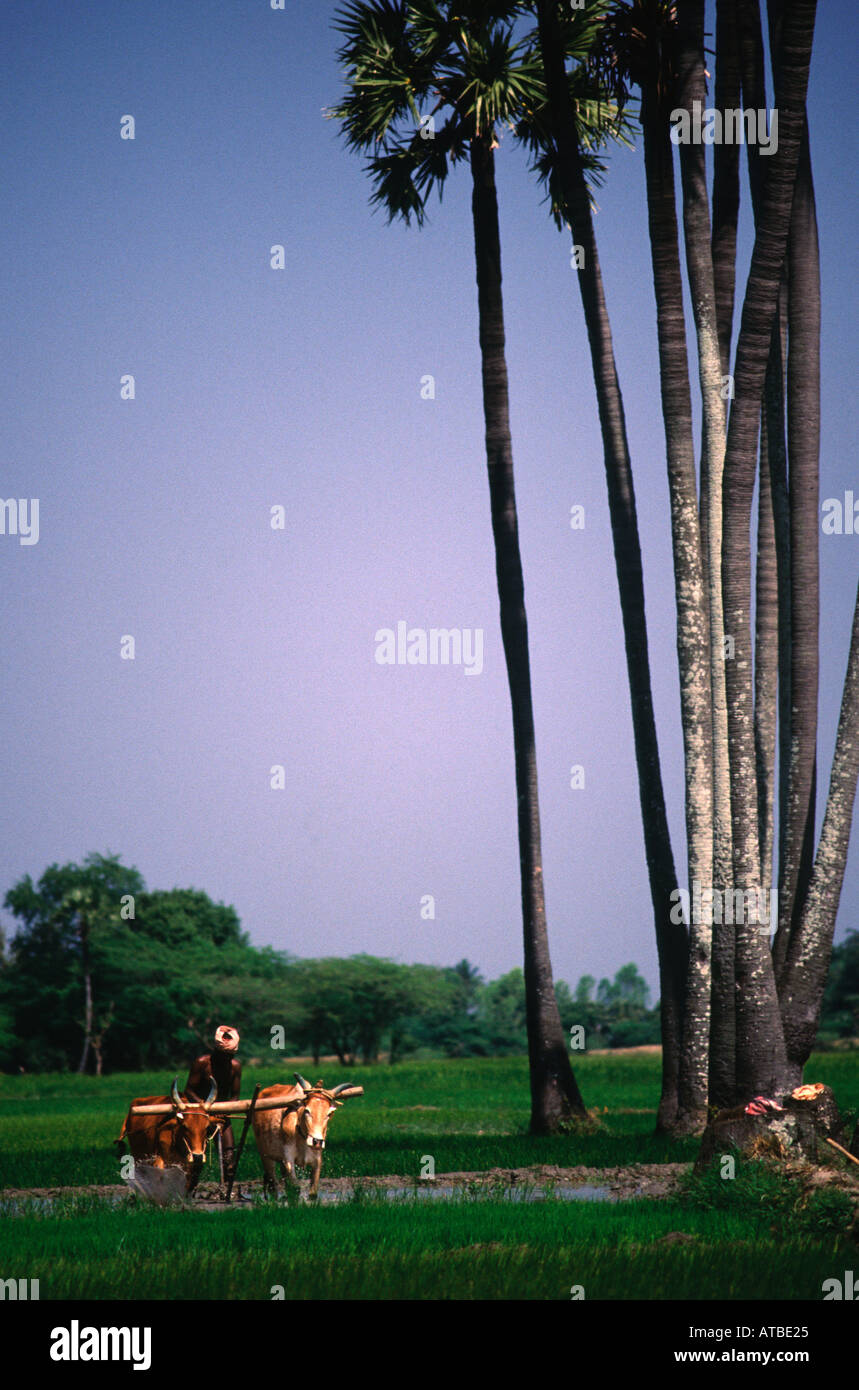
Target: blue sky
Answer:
[[301, 388]]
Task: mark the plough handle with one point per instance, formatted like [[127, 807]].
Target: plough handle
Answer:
[[248, 1117]]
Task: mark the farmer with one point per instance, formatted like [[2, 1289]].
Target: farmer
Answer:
[[224, 1068]]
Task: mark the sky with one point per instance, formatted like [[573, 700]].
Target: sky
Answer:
[[301, 388]]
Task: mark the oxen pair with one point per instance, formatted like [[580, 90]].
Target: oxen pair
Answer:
[[290, 1126]]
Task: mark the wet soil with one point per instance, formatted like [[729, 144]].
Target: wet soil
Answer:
[[651, 1180]]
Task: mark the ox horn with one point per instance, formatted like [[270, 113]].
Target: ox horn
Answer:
[[301, 1081], [174, 1093], [211, 1096], [344, 1086]]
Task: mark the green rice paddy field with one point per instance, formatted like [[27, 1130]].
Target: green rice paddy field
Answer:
[[758, 1236]]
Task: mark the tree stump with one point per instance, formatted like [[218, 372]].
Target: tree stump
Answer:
[[799, 1130]]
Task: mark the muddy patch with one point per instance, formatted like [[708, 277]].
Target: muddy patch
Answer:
[[650, 1180]]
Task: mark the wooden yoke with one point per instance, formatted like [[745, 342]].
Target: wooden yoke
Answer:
[[223, 1107]]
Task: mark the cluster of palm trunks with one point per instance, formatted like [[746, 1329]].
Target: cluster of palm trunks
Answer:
[[290, 1125]]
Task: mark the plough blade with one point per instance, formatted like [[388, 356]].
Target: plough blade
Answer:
[[163, 1186]]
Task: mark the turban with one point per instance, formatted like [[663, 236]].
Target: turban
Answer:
[[227, 1038]]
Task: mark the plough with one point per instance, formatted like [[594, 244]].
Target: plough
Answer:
[[166, 1185], [302, 1139]]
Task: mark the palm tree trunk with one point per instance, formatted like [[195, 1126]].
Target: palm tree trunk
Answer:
[[777, 453], [670, 937], [761, 1058], [555, 1096], [810, 895], [803, 444], [810, 949], [726, 179], [753, 81], [702, 286], [693, 640], [726, 202], [766, 661]]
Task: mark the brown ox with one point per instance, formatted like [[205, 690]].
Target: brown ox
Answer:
[[179, 1138], [296, 1135]]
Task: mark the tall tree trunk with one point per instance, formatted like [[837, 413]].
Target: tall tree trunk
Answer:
[[98, 1038], [555, 1096], [803, 444], [754, 92], [810, 949], [670, 937], [726, 178], [761, 1058], [777, 453], [88, 1009], [693, 643], [726, 203], [811, 897], [699, 265], [766, 664]]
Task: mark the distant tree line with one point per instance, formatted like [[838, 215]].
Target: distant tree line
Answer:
[[103, 975]]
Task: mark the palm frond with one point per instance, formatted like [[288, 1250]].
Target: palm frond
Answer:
[[461, 62], [386, 75], [545, 166], [638, 47], [579, 31], [410, 169]]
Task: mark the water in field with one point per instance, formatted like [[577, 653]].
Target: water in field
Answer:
[[15, 1206], [457, 1192], [438, 1192], [435, 1192]]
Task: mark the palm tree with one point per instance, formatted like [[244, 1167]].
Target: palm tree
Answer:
[[710, 302], [761, 1057], [640, 46], [730, 20], [773, 576], [764, 1006], [809, 892], [787, 289], [562, 162], [459, 62], [803, 446]]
